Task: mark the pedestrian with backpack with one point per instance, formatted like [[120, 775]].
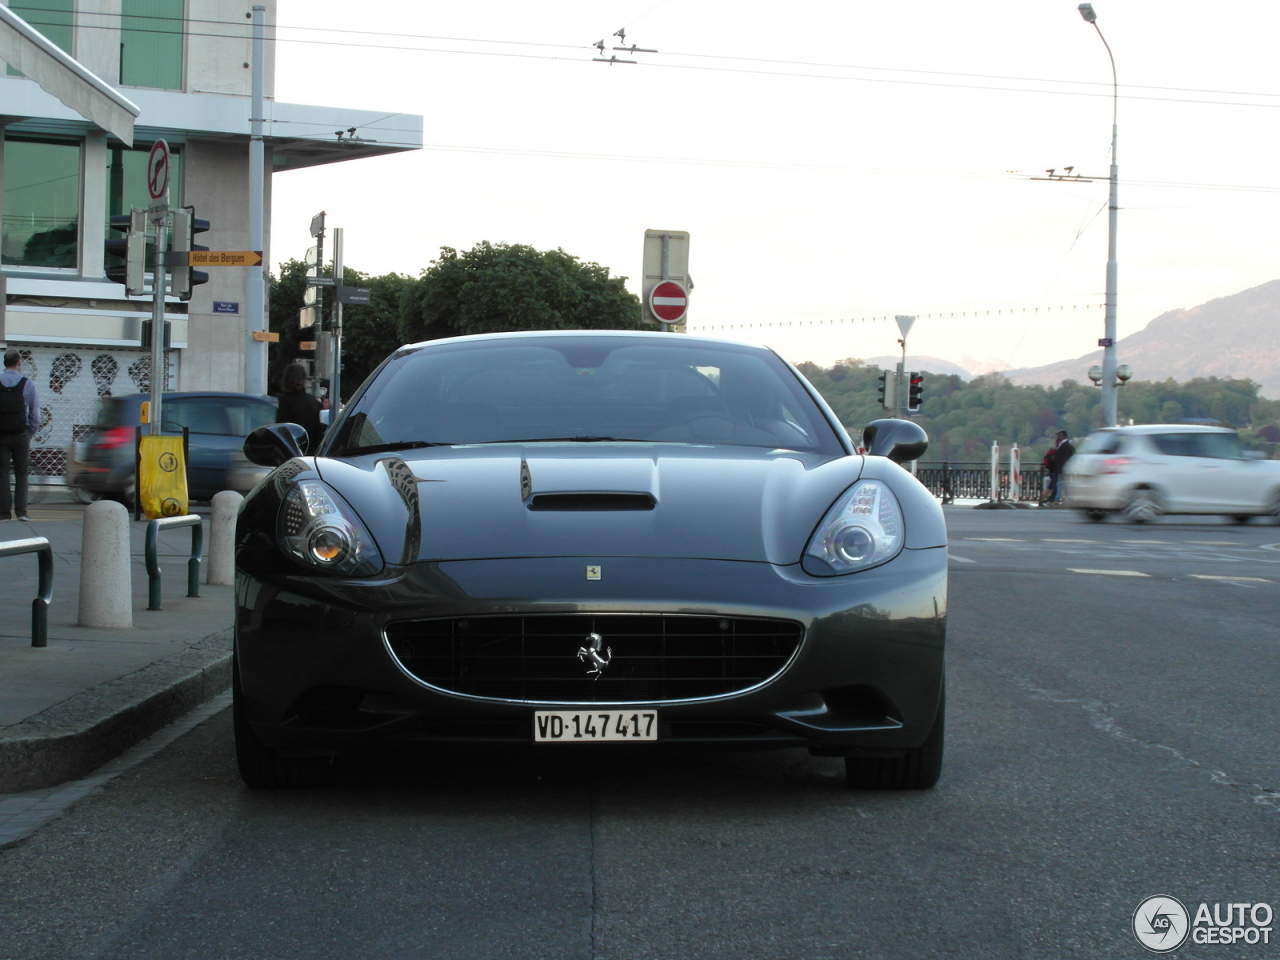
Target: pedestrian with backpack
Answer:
[[19, 422]]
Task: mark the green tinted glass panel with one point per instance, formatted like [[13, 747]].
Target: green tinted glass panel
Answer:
[[151, 43], [41, 203], [50, 17]]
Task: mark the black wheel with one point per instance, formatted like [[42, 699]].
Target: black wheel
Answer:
[[1143, 507], [85, 496], [916, 769], [1095, 516], [264, 768], [1241, 517]]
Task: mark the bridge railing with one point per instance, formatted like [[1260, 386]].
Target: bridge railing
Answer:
[[971, 480]]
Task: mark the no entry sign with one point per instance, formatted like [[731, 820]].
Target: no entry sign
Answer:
[[668, 301]]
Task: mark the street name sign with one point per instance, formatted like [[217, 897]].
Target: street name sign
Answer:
[[224, 258]]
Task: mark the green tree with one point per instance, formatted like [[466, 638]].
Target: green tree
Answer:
[[500, 287]]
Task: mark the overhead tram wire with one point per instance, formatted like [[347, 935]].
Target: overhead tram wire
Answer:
[[585, 47], [720, 57]]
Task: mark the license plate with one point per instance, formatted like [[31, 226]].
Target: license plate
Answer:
[[595, 726]]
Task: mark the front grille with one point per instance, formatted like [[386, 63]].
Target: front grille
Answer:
[[652, 657]]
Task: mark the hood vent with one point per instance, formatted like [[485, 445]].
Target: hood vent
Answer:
[[592, 501]]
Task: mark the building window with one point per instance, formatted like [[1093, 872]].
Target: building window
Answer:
[[41, 203], [50, 17], [151, 43]]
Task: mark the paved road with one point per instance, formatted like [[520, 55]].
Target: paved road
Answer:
[[1114, 719]]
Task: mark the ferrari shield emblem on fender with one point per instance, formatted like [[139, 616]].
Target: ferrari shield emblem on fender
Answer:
[[593, 573], [591, 654]]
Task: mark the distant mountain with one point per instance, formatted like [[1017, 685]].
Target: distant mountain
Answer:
[[927, 364], [1236, 336]]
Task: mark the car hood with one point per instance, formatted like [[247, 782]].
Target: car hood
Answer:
[[548, 500]]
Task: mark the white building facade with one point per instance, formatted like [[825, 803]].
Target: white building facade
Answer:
[[187, 65]]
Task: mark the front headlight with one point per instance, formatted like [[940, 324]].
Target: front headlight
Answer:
[[862, 529], [317, 527]]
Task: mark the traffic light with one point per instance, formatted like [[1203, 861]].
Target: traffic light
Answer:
[[126, 256], [915, 389], [888, 389], [181, 276]]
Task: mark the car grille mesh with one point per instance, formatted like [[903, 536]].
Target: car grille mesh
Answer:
[[652, 657]]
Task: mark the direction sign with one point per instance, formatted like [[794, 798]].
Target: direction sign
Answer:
[[668, 301], [224, 258], [158, 170]]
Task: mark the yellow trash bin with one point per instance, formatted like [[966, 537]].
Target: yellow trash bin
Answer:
[[162, 477]]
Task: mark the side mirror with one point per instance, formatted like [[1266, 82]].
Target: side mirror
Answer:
[[900, 440], [276, 443]]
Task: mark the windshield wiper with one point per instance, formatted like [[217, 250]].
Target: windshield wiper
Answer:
[[397, 445]]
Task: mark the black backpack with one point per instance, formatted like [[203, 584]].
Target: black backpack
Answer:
[[13, 408]]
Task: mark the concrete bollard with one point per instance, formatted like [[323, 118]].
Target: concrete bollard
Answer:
[[106, 586], [222, 538]]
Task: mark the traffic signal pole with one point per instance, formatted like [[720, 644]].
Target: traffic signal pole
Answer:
[[159, 366]]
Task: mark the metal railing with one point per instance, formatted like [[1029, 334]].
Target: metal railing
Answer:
[[193, 563], [971, 480], [40, 605]]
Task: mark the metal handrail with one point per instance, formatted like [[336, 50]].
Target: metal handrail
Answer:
[[40, 605], [972, 480], [193, 563]]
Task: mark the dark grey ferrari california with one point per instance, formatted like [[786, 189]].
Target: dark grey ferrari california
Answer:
[[553, 539]]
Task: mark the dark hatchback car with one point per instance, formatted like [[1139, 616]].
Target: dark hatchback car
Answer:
[[102, 465], [565, 538]]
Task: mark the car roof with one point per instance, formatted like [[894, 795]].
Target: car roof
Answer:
[[192, 393], [655, 335]]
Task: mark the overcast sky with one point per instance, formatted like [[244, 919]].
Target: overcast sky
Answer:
[[832, 161]]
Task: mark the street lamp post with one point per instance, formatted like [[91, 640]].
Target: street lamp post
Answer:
[[1109, 331]]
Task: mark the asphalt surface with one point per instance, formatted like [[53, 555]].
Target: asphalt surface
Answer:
[[71, 706], [1112, 727]]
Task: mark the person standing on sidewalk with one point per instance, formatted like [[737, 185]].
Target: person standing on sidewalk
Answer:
[[1056, 459], [19, 422]]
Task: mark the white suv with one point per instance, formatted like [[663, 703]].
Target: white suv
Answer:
[[1142, 472]]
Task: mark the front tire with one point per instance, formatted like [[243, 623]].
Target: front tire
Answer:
[[260, 766], [917, 769], [1143, 507], [1094, 516]]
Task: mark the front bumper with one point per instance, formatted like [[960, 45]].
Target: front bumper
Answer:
[[318, 676]]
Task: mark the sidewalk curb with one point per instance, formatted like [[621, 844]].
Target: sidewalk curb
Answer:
[[75, 737]]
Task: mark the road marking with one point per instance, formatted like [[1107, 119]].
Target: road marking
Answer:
[[1110, 573], [997, 539], [1218, 543], [1057, 540], [1143, 541], [952, 556], [1211, 576]]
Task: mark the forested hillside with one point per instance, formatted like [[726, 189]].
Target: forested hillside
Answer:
[[963, 419]]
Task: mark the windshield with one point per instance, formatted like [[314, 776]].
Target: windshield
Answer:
[[586, 389]]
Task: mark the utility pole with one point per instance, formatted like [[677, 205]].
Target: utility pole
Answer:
[[255, 359], [335, 378]]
